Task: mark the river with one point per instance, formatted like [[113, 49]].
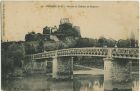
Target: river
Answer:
[[79, 83]]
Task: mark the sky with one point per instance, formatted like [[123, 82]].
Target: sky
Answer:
[[116, 20]]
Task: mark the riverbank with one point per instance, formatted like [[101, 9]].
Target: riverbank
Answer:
[[93, 71], [80, 69]]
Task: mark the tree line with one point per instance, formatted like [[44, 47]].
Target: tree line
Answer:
[[104, 42]]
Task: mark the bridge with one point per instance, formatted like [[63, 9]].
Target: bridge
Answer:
[[117, 62], [125, 53]]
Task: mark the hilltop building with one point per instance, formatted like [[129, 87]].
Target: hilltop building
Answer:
[[53, 29], [77, 28], [66, 29], [64, 20]]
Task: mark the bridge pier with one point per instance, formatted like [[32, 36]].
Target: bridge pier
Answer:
[[117, 74], [62, 68], [54, 68]]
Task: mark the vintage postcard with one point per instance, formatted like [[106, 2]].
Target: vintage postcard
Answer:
[[70, 46]]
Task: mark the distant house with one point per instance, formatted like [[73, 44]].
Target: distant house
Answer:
[[64, 20], [46, 33], [54, 29]]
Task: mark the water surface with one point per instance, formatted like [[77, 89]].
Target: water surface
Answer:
[[79, 83]]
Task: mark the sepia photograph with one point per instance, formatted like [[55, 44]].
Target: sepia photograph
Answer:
[[69, 45]]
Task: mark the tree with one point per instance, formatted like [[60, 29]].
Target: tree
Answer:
[[124, 43], [102, 42], [40, 47], [29, 48], [12, 57], [30, 36], [110, 42], [16, 52], [86, 42], [132, 42], [46, 30], [39, 37]]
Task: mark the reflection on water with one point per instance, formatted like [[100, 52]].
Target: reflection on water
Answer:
[[89, 83], [40, 83], [135, 86]]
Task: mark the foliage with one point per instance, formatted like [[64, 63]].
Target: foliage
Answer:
[[29, 49], [102, 42], [30, 36], [12, 56], [46, 30], [123, 43], [86, 42], [40, 47], [132, 42]]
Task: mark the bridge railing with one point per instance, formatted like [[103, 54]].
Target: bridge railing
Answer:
[[83, 52], [132, 53], [100, 52]]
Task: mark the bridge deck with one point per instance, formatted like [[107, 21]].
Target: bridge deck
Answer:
[[127, 53]]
